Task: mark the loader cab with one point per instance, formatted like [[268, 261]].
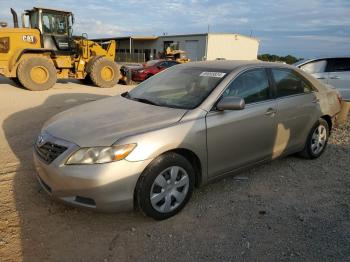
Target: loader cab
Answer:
[[55, 27]]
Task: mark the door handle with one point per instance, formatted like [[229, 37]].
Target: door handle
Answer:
[[270, 112], [335, 77], [316, 101], [321, 77]]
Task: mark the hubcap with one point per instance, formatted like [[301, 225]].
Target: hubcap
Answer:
[[169, 189], [39, 74], [107, 73], [319, 138]]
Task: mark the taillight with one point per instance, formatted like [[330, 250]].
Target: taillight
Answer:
[[4, 44]]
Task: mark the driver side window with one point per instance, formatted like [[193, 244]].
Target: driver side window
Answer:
[[252, 86]]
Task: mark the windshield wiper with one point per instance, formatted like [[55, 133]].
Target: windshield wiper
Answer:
[[144, 100]]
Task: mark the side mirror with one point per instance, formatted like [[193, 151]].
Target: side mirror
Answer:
[[231, 103]]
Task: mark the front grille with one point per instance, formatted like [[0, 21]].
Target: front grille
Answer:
[[49, 151]]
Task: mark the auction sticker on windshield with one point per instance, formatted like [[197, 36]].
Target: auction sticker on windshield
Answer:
[[213, 74]]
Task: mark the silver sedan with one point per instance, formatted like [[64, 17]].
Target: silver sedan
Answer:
[[179, 130]]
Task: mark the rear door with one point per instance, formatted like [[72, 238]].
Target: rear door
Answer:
[[297, 110], [240, 137], [339, 75]]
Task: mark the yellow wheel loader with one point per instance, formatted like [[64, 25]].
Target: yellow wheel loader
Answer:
[[43, 50]]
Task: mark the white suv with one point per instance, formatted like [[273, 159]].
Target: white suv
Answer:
[[334, 71]]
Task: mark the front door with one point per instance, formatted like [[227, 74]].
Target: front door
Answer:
[[238, 138]]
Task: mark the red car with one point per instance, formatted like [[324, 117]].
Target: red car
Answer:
[[151, 68]]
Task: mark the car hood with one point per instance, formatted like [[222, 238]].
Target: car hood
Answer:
[[103, 122]]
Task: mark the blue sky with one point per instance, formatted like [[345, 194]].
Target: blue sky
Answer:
[[304, 28]]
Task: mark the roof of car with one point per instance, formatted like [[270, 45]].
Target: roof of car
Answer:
[[230, 65]]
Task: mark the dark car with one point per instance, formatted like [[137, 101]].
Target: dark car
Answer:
[[151, 68]]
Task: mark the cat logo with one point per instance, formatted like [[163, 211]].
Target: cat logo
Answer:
[[29, 39]]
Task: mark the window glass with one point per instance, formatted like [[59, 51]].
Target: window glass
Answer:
[[34, 20], [341, 64], [253, 86], [306, 87], [315, 67], [151, 62], [55, 24], [289, 83], [178, 87]]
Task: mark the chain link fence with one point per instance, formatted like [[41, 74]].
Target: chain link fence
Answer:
[[130, 57]]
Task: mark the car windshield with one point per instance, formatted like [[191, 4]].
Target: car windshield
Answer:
[[178, 87], [151, 63]]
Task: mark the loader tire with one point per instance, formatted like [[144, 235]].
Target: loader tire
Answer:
[[86, 81], [37, 73], [104, 73], [16, 81]]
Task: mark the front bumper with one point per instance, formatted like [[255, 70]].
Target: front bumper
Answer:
[[106, 187]]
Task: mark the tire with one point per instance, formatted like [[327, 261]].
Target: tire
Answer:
[[104, 73], [317, 140], [170, 193], [86, 81], [37, 73], [16, 81]]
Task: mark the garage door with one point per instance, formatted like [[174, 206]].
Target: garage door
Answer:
[[191, 47]]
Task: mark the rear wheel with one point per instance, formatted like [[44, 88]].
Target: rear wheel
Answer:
[[317, 140], [104, 73], [165, 186], [16, 81], [37, 73]]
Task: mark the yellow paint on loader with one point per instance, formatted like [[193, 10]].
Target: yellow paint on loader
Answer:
[[36, 55]]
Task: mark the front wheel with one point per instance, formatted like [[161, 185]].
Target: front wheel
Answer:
[[165, 186], [104, 73], [317, 140]]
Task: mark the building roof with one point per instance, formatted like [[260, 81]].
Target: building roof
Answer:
[[152, 38], [141, 38]]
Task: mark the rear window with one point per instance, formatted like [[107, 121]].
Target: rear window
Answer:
[[315, 67], [151, 62]]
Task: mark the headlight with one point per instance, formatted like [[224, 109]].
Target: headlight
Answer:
[[100, 155]]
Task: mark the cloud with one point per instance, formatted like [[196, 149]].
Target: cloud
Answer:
[[288, 26]]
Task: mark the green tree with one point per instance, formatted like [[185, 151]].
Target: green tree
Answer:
[[289, 59]]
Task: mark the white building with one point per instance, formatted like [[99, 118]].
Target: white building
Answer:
[[198, 47]]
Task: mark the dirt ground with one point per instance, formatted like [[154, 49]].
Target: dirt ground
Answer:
[[288, 210]]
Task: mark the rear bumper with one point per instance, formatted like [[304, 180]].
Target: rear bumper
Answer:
[[105, 187]]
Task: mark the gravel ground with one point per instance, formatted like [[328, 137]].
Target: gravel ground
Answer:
[[288, 210]]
